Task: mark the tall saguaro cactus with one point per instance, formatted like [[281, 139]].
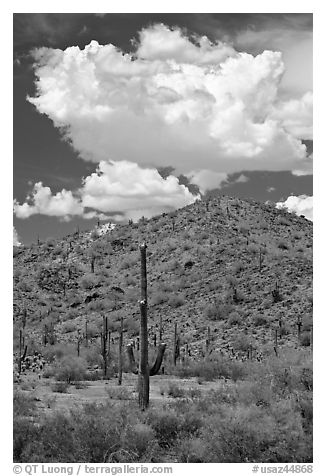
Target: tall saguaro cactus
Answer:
[[143, 374], [120, 353], [104, 340]]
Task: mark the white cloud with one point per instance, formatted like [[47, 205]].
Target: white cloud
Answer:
[[301, 205], [174, 99], [133, 191], [206, 179], [120, 188], [296, 116], [242, 179], [41, 201], [16, 239], [160, 42]]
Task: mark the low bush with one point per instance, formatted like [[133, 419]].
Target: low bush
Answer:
[[59, 387], [218, 311], [176, 300], [70, 369]]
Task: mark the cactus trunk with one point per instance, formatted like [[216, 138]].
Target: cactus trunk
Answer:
[[143, 376], [120, 354]]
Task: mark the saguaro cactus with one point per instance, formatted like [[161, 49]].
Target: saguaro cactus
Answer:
[[299, 325], [176, 345], [208, 340], [260, 259], [161, 329], [120, 353], [276, 293], [143, 375], [276, 343], [104, 340], [21, 356]]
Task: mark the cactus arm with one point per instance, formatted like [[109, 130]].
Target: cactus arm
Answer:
[[24, 354], [159, 359], [131, 359]]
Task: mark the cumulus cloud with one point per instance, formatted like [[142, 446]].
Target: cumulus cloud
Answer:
[[206, 179], [42, 202], [296, 116], [122, 189], [132, 190], [16, 240], [177, 99], [160, 42], [301, 205]]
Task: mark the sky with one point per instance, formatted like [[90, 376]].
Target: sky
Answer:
[[118, 116]]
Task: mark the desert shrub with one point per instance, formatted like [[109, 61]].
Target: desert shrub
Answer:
[[171, 266], [130, 281], [238, 435], [89, 281], [68, 326], [59, 387], [119, 393], [70, 369], [217, 312], [306, 377], [165, 424], [93, 330], [259, 320], [284, 330], [175, 391], [176, 300], [129, 262], [159, 297], [282, 245], [253, 249], [141, 441], [206, 370], [241, 343], [25, 286], [305, 339], [171, 245], [97, 305], [79, 385], [192, 450], [165, 287], [57, 351], [23, 404], [234, 318], [50, 243], [95, 235], [238, 267]]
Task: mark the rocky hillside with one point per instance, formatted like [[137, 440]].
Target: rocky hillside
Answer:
[[239, 267]]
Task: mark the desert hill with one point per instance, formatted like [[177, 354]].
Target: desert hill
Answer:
[[238, 267]]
